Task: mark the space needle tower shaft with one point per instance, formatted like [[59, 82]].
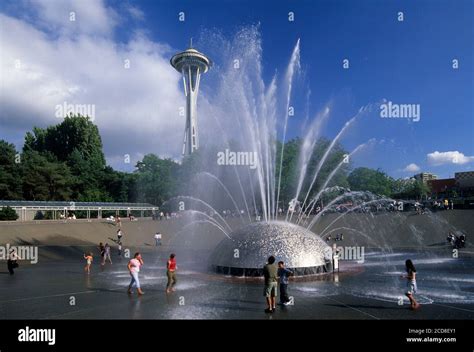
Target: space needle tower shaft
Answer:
[[191, 64]]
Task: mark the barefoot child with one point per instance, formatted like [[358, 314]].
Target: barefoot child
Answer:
[[411, 283], [88, 258], [283, 274]]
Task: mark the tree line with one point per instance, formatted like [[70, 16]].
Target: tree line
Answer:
[[65, 162]]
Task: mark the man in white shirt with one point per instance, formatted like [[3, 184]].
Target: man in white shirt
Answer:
[[158, 239]]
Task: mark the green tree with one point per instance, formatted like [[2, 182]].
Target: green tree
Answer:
[[115, 184], [75, 142], [420, 190], [44, 178], [7, 213], [74, 134], [375, 181], [410, 189], [156, 181], [289, 172], [10, 172], [291, 169]]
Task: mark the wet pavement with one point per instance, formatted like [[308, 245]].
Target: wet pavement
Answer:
[[373, 289]]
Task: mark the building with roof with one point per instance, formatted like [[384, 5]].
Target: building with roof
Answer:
[[27, 210], [425, 177]]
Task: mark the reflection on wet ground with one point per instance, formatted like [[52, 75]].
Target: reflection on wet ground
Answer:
[[369, 290]]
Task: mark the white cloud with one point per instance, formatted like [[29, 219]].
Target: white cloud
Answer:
[[75, 16], [412, 168], [136, 13], [453, 157], [136, 109]]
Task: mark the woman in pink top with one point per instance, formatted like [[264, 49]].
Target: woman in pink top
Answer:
[[134, 268]]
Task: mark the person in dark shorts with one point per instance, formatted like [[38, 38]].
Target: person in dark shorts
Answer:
[[102, 253], [119, 235], [271, 280], [12, 261], [283, 274]]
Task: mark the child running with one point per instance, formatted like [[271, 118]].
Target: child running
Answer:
[[89, 259]]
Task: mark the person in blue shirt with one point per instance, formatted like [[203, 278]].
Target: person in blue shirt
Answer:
[[284, 273]]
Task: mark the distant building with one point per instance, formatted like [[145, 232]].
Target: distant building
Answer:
[[441, 188], [460, 188], [465, 179], [425, 177], [465, 184]]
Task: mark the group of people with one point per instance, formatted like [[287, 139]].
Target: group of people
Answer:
[[105, 255], [165, 216], [456, 241], [279, 274], [68, 217], [136, 263], [133, 266], [273, 275], [276, 275], [105, 250], [443, 204]]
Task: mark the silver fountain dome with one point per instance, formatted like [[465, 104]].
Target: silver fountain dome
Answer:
[[251, 245]]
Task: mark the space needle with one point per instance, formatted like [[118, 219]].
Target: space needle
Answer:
[[191, 63]]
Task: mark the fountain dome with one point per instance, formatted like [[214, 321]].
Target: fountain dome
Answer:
[[251, 245]]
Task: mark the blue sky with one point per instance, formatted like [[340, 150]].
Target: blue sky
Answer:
[[408, 62]]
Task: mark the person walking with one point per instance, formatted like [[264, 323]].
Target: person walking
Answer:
[[134, 268], [107, 253], [283, 274], [102, 253], [411, 284], [171, 268], [157, 239], [12, 261], [270, 287], [119, 235], [88, 257]]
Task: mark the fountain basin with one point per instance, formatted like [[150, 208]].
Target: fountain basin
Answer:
[[248, 250]]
